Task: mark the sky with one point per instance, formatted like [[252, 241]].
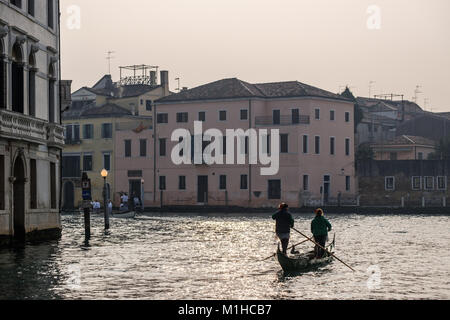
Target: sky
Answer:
[[396, 45]]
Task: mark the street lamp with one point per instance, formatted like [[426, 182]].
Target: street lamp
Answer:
[[104, 174]]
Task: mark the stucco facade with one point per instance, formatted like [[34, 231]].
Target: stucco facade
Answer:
[[31, 137]]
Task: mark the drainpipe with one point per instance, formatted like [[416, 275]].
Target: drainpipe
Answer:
[[154, 153], [249, 152]]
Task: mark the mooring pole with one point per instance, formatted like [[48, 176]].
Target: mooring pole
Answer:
[[87, 222], [105, 204]]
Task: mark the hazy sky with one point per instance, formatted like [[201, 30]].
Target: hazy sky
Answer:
[[325, 43]]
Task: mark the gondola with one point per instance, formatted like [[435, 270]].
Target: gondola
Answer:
[[304, 262], [124, 214]]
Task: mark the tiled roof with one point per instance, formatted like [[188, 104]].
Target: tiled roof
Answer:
[[108, 109], [234, 88], [408, 140]]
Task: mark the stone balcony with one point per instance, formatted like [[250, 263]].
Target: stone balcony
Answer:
[[17, 126]]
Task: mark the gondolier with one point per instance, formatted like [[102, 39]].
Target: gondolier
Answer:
[[284, 223], [320, 228]]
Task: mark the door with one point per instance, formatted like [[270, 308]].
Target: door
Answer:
[[69, 196], [19, 200], [202, 189], [274, 189], [135, 189], [326, 188]]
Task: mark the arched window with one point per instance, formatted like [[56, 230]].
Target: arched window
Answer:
[[17, 79], [3, 78], [32, 85], [51, 93]]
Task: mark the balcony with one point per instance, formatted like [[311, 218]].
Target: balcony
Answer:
[[17, 126], [282, 121]]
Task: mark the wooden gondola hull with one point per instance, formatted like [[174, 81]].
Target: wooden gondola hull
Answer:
[[301, 263]]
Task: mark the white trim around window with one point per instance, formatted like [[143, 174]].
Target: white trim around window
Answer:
[[413, 179], [438, 184], [425, 183]]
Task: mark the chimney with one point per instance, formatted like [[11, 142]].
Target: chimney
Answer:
[[165, 82], [153, 78]]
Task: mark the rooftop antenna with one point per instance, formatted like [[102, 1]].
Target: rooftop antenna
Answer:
[[178, 79], [416, 93], [370, 87], [342, 87], [109, 57]]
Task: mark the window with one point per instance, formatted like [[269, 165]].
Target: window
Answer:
[[162, 147], [420, 155], [143, 147], [53, 185], [76, 132], [429, 183], [347, 117], [32, 91], [389, 183], [182, 182], [222, 115], [182, 117], [71, 167], [305, 183], [393, 155], [347, 147], [332, 145], [134, 173], [17, 3], [148, 105], [88, 131], [224, 145], [31, 7], [51, 100], [107, 131], [107, 161], [317, 145], [202, 116], [284, 143], [162, 118], [50, 13], [2, 182], [317, 114], [295, 116], [417, 183], [274, 189], [305, 144], [162, 183], [244, 182], [127, 148], [347, 183], [332, 115], [244, 114], [142, 102], [223, 182], [276, 117], [87, 162], [442, 183]]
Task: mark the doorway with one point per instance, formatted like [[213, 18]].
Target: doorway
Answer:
[[19, 199], [274, 189], [69, 196], [202, 189], [326, 189]]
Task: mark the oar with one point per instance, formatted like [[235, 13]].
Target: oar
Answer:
[[295, 245], [332, 254]]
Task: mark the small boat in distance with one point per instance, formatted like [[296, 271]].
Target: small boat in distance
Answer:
[[124, 214], [304, 262]]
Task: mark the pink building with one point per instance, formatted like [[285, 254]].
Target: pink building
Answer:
[[316, 147]]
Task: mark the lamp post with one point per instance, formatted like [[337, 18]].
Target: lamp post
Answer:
[[104, 174]]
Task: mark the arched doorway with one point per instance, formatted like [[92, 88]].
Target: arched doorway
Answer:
[[19, 199], [69, 196]]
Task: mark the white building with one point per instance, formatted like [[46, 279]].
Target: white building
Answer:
[[31, 136]]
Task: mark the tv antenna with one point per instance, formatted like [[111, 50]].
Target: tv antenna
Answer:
[[109, 57], [370, 88], [416, 93], [178, 79]]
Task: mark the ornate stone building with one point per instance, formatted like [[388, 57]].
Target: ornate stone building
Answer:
[[31, 135]]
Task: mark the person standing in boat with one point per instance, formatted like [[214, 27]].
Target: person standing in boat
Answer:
[[284, 223], [320, 228]]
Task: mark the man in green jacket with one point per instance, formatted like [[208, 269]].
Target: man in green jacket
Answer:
[[320, 228]]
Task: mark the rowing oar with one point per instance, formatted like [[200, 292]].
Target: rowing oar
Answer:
[[332, 254], [287, 249]]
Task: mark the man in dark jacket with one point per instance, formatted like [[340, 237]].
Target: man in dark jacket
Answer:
[[284, 223], [320, 228]]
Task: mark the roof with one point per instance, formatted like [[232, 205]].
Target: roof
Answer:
[[234, 88], [408, 140], [108, 109], [398, 105]]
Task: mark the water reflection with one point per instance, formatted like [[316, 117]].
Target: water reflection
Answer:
[[219, 257]]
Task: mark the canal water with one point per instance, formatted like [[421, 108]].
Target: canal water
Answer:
[[218, 257]]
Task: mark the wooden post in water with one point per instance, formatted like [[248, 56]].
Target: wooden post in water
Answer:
[[403, 202], [423, 202], [444, 201], [87, 223]]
